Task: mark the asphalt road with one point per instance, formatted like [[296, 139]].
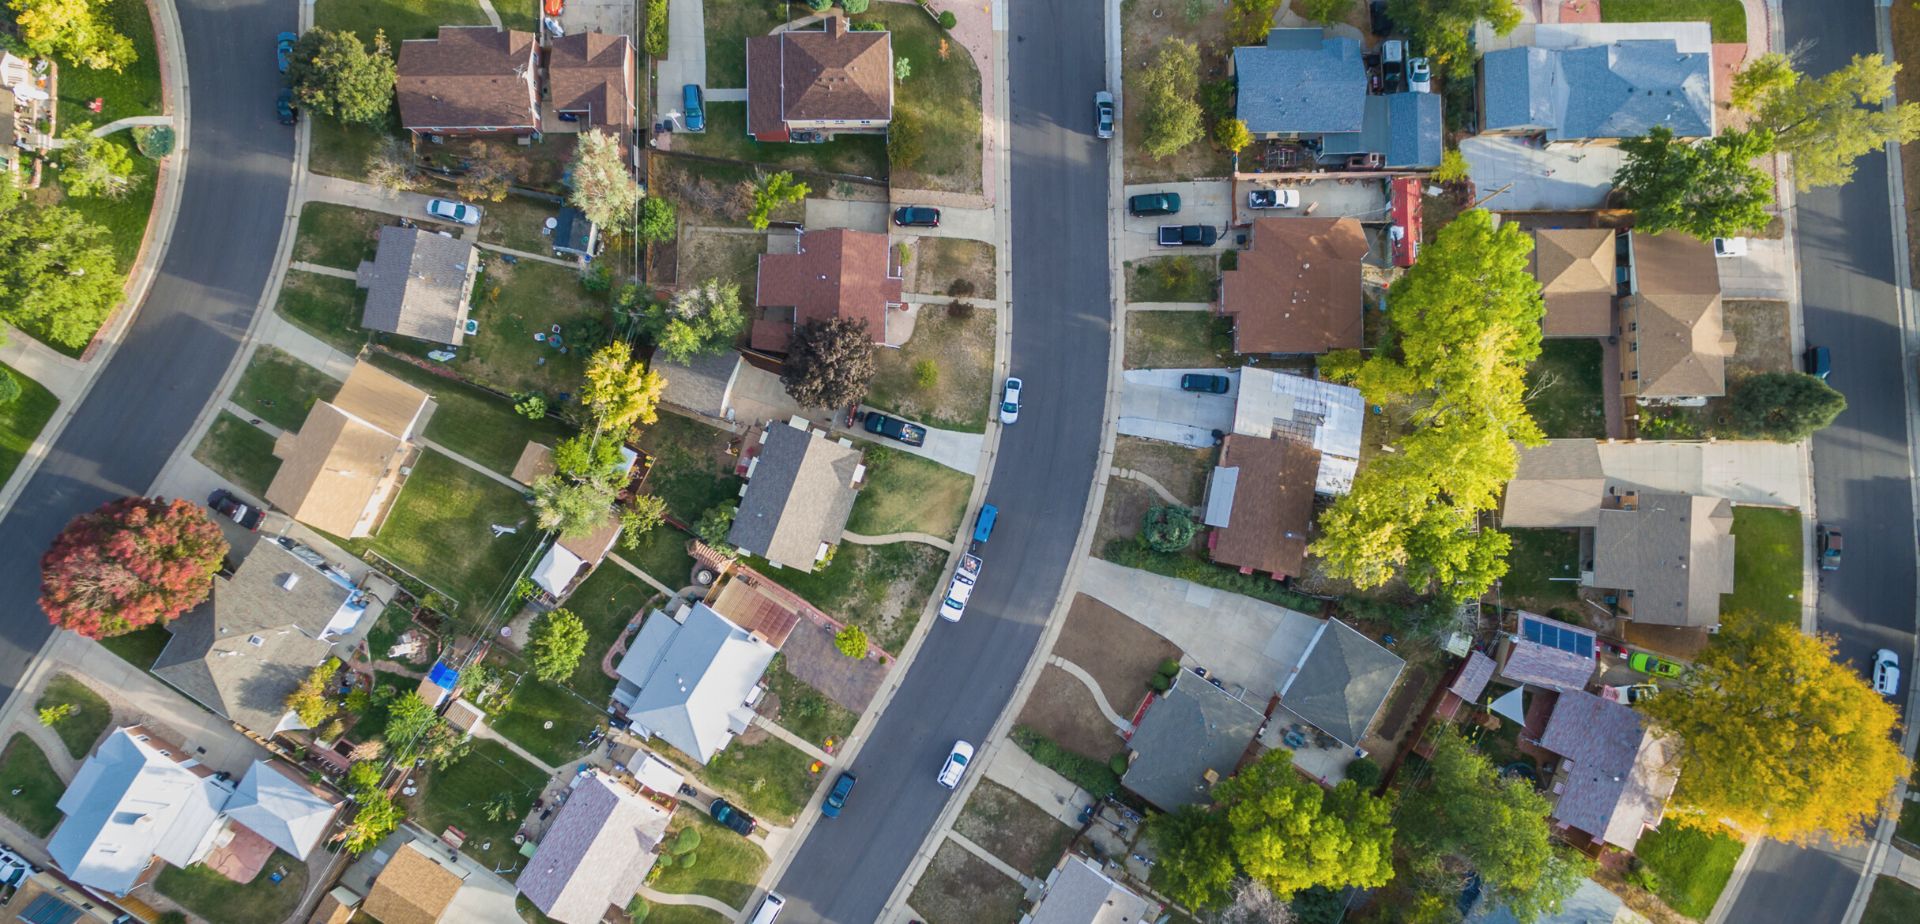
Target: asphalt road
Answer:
[[239, 175], [966, 672], [1861, 466]]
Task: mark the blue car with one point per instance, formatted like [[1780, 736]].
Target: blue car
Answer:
[[983, 527], [283, 49], [837, 799], [695, 116]]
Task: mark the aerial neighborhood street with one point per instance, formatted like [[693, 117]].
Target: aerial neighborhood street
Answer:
[[929, 462]]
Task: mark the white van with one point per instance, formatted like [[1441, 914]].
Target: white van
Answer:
[[769, 909]]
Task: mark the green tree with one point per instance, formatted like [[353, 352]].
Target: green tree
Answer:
[[58, 275], [714, 525], [336, 74], [95, 166], [1168, 529], [530, 406], [1249, 20], [776, 190], [376, 818], [851, 641], [409, 721], [585, 455], [1827, 123], [559, 640], [1453, 167], [1709, 188], [1445, 27], [69, 29], [1170, 112], [1785, 407], [1465, 326], [854, 7], [699, 319], [658, 219], [308, 701], [1195, 866], [902, 69], [603, 189], [574, 507], [1287, 833], [906, 140], [641, 517], [1324, 11], [1463, 816], [1232, 134], [829, 362], [10, 390], [619, 390]]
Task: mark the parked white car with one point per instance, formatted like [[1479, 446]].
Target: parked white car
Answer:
[[1010, 402], [449, 210], [1419, 76], [1729, 246], [1886, 673], [956, 765]]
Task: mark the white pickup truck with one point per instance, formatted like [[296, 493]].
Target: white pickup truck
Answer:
[[960, 588]]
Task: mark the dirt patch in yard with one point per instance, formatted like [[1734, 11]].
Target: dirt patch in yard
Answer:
[[1179, 469], [1013, 829], [709, 253], [1120, 653], [1127, 502], [960, 888], [951, 266], [960, 351], [1144, 24], [1180, 340], [812, 659], [1062, 708]]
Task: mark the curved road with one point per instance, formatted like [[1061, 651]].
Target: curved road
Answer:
[[239, 177], [1862, 468], [964, 676]]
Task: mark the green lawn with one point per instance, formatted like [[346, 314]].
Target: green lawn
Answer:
[[24, 766], [906, 493], [1766, 564], [240, 452], [280, 389], [1179, 340], [858, 584], [804, 710], [215, 897], [1173, 279], [964, 389], [1908, 828], [325, 306], [662, 554], [341, 149], [22, 421], [439, 532], [1570, 405], [663, 913], [473, 422], [726, 136], [511, 304], [458, 796], [86, 723], [1690, 866], [518, 222], [1892, 902], [942, 94], [607, 601], [728, 23], [124, 218], [691, 470], [339, 236], [132, 91], [1728, 17], [518, 14], [536, 702], [726, 866], [140, 647], [770, 778], [401, 19], [1538, 556]]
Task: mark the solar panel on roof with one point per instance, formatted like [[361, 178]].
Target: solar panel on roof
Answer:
[[1569, 640], [49, 910]]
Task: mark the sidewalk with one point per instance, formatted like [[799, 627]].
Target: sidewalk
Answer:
[[1053, 793]]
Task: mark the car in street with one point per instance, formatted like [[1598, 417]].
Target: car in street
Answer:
[[233, 508], [1886, 672], [1206, 383], [1010, 401], [1161, 203], [283, 49], [894, 428], [449, 210], [960, 588], [1819, 361], [693, 109], [916, 216], [725, 813], [1647, 663], [284, 108], [983, 524], [1188, 235], [1831, 545], [1419, 76], [837, 797], [1729, 246], [1273, 199], [1103, 114], [956, 765]]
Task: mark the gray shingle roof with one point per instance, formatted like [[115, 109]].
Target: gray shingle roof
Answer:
[[1082, 894], [1557, 484], [417, 285], [1674, 552], [285, 811], [1546, 665], [1341, 682], [1192, 728], [799, 495], [1618, 90], [1618, 776], [1287, 89], [688, 682], [127, 804], [597, 852], [703, 384]]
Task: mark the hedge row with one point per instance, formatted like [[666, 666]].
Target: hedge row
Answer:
[[1097, 778]]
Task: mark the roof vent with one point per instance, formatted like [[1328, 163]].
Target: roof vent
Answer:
[[288, 580]]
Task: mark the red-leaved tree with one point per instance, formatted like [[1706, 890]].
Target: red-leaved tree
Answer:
[[133, 562]]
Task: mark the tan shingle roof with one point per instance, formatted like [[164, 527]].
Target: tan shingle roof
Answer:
[[835, 273], [816, 76], [536, 461], [1557, 484], [470, 77], [1683, 343], [1674, 552], [592, 72], [1296, 288], [413, 889], [1575, 267], [799, 496], [347, 452]]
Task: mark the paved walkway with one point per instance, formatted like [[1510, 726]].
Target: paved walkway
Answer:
[[318, 270], [642, 575], [525, 255], [675, 898], [280, 333], [59, 373], [1901, 867], [108, 129], [809, 748], [1053, 793], [486, 731], [993, 861], [1150, 482], [944, 545], [493, 18], [1093, 686]]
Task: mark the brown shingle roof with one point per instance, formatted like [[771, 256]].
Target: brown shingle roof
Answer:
[[1682, 342], [417, 285], [592, 72], [1272, 506], [1575, 267], [348, 453], [535, 462], [1297, 286], [413, 889], [1673, 551], [471, 77], [835, 273], [818, 76]]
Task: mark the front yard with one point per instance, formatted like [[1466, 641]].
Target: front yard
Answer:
[[280, 389], [1173, 279], [459, 797], [1013, 829], [1766, 564], [957, 345], [960, 888], [88, 718], [1143, 26], [1565, 384], [1179, 340], [512, 304], [804, 710], [22, 421], [215, 897], [400, 19], [239, 452], [941, 94], [24, 769], [908, 494], [1892, 902], [473, 422], [440, 532], [339, 236], [1728, 17], [1762, 343], [1690, 866], [768, 777], [725, 866], [728, 23], [951, 266], [327, 307], [692, 469], [883, 589]]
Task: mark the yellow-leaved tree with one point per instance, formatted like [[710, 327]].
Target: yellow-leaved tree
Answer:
[[620, 391]]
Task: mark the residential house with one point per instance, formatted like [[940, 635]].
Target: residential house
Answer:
[[1549, 654], [1304, 85], [535, 463], [702, 385], [136, 802], [1742, 471], [471, 80], [691, 679], [26, 98], [799, 492], [1406, 130], [1265, 526], [1189, 738], [341, 471], [836, 273], [1615, 774], [590, 79], [596, 853], [417, 285], [1296, 288], [1598, 93], [267, 627], [283, 809], [1079, 892], [1578, 272], [1327, 417], [1340, 682], [1558, 484], [571, 558], [1670, 554], [1673, 340], [415, 887], [803, 83]]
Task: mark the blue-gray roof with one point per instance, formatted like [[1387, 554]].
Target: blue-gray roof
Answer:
[[1288, 89], [1405, 128], [1602, 91]]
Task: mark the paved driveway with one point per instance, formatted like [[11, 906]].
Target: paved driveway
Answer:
[[1553, 179], [686, 60], [1766, 271], [1333, 198], [844, 213], [972, 224], [951, 448], [1153, 406], [614, 17], [1204, 203]]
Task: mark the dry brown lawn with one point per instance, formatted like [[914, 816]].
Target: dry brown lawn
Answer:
[[960, 888], [711, 253], [1179, 340], [1120, 653], [961, 350], [1062, 708], [1179, 469], [1024, 835], [951, 266], [1127, 501], [1144, 25]]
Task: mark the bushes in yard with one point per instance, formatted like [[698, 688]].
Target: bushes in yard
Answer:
[[657, 28], [1169, 528], [1133, 553], [1363, 772], [947, 20], [1097, 778], [851, 641]]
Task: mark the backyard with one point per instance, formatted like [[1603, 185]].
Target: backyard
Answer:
[[215, 897], [22, 421], [1173, 279], [941, 95], [24, 770], [473, 422], [1179, 340], [880, 588], [339, 236], [327, 307], [518, 222], [726, 136], [240, 452], [908, 494], [804, 710], [951, 266], [547, 719], [956, 346], [728, 24], [692, 468], [280, 389], [1543, 569], [459, 797], [960, 888], [608, 601], [1565, 389], [1013, 829], [723, 254], [440, 532], [1766, 564], [1690, 866], [88, 714], [662, 553], [512, 304], [725, 866]]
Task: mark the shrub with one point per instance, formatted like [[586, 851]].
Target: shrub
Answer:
[[1169, 667], [948, 20], [819, 6], [926, 373], [1160, 683], [1169, 529], [657, 28], [598, 279], [851, 641], [153, 141], [905, 142], [530, 406], [53, 715], [902, 253], [961, 287], [1229, 260], [1453, 167], [854, 7], [638, 909], [1363, 772], [1118, 764], [960, 311], [1094, 776], [1132, 553], [686, 842], [10, 389], [1231, 134]]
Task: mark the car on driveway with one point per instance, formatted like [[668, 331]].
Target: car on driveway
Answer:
[[233, 508], [1729, 246], [837, 798], [725, 813], [1205, 383], [1419, 76], [1649, 664], [916, 216], [1831, 545], [894, 428], [1188, 235], [1273, 199], [283, 49], [1103, 114], [1162, 203], [956, 765], [1010, 402], [693, 109], [284, 108], [1886, 673], [449, 210]]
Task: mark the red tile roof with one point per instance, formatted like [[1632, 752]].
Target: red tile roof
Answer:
[[835, 273]]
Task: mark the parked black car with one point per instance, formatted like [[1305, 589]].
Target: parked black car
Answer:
[[725, 813], [235, 509], [894, 428], [1205, 384], [1188, 235], [1161, 203], [916, 216]]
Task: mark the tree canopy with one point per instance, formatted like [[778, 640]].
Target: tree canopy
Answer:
[[58, 275], [1464, 327], [829, 362], [1170, 109], [702, 318], [1445, 27], [95, 166], [558, 641], [70, 29], [131, 563], [1785, 407], [620, 391], [336, 74], [1815, 745], [776, 190], [658, 219], [1707, 188], [1829, 122], [1249, 20], [603, 189], [574, 507]]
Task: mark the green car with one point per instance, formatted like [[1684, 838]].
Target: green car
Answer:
[[1648, 664]]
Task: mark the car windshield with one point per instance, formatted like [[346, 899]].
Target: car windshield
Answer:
[[960, 760]]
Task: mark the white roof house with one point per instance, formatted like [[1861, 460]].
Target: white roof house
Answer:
[[281, 809], [691, 679], [1323, 415], [557, 569], [132, 801]]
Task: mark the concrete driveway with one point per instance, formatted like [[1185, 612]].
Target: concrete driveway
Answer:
[[1203, 203], [1765, 271], [844, 213], [1153, 406], [951, 448], [972, 224], [686, 60], [1561, 178], [1332, 198]]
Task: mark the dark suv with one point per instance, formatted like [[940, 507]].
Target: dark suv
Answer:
[[894, 428], [837, 799], [1831, 545], [724, 813], [916, 216], [1164, 203], [1205, 384]]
